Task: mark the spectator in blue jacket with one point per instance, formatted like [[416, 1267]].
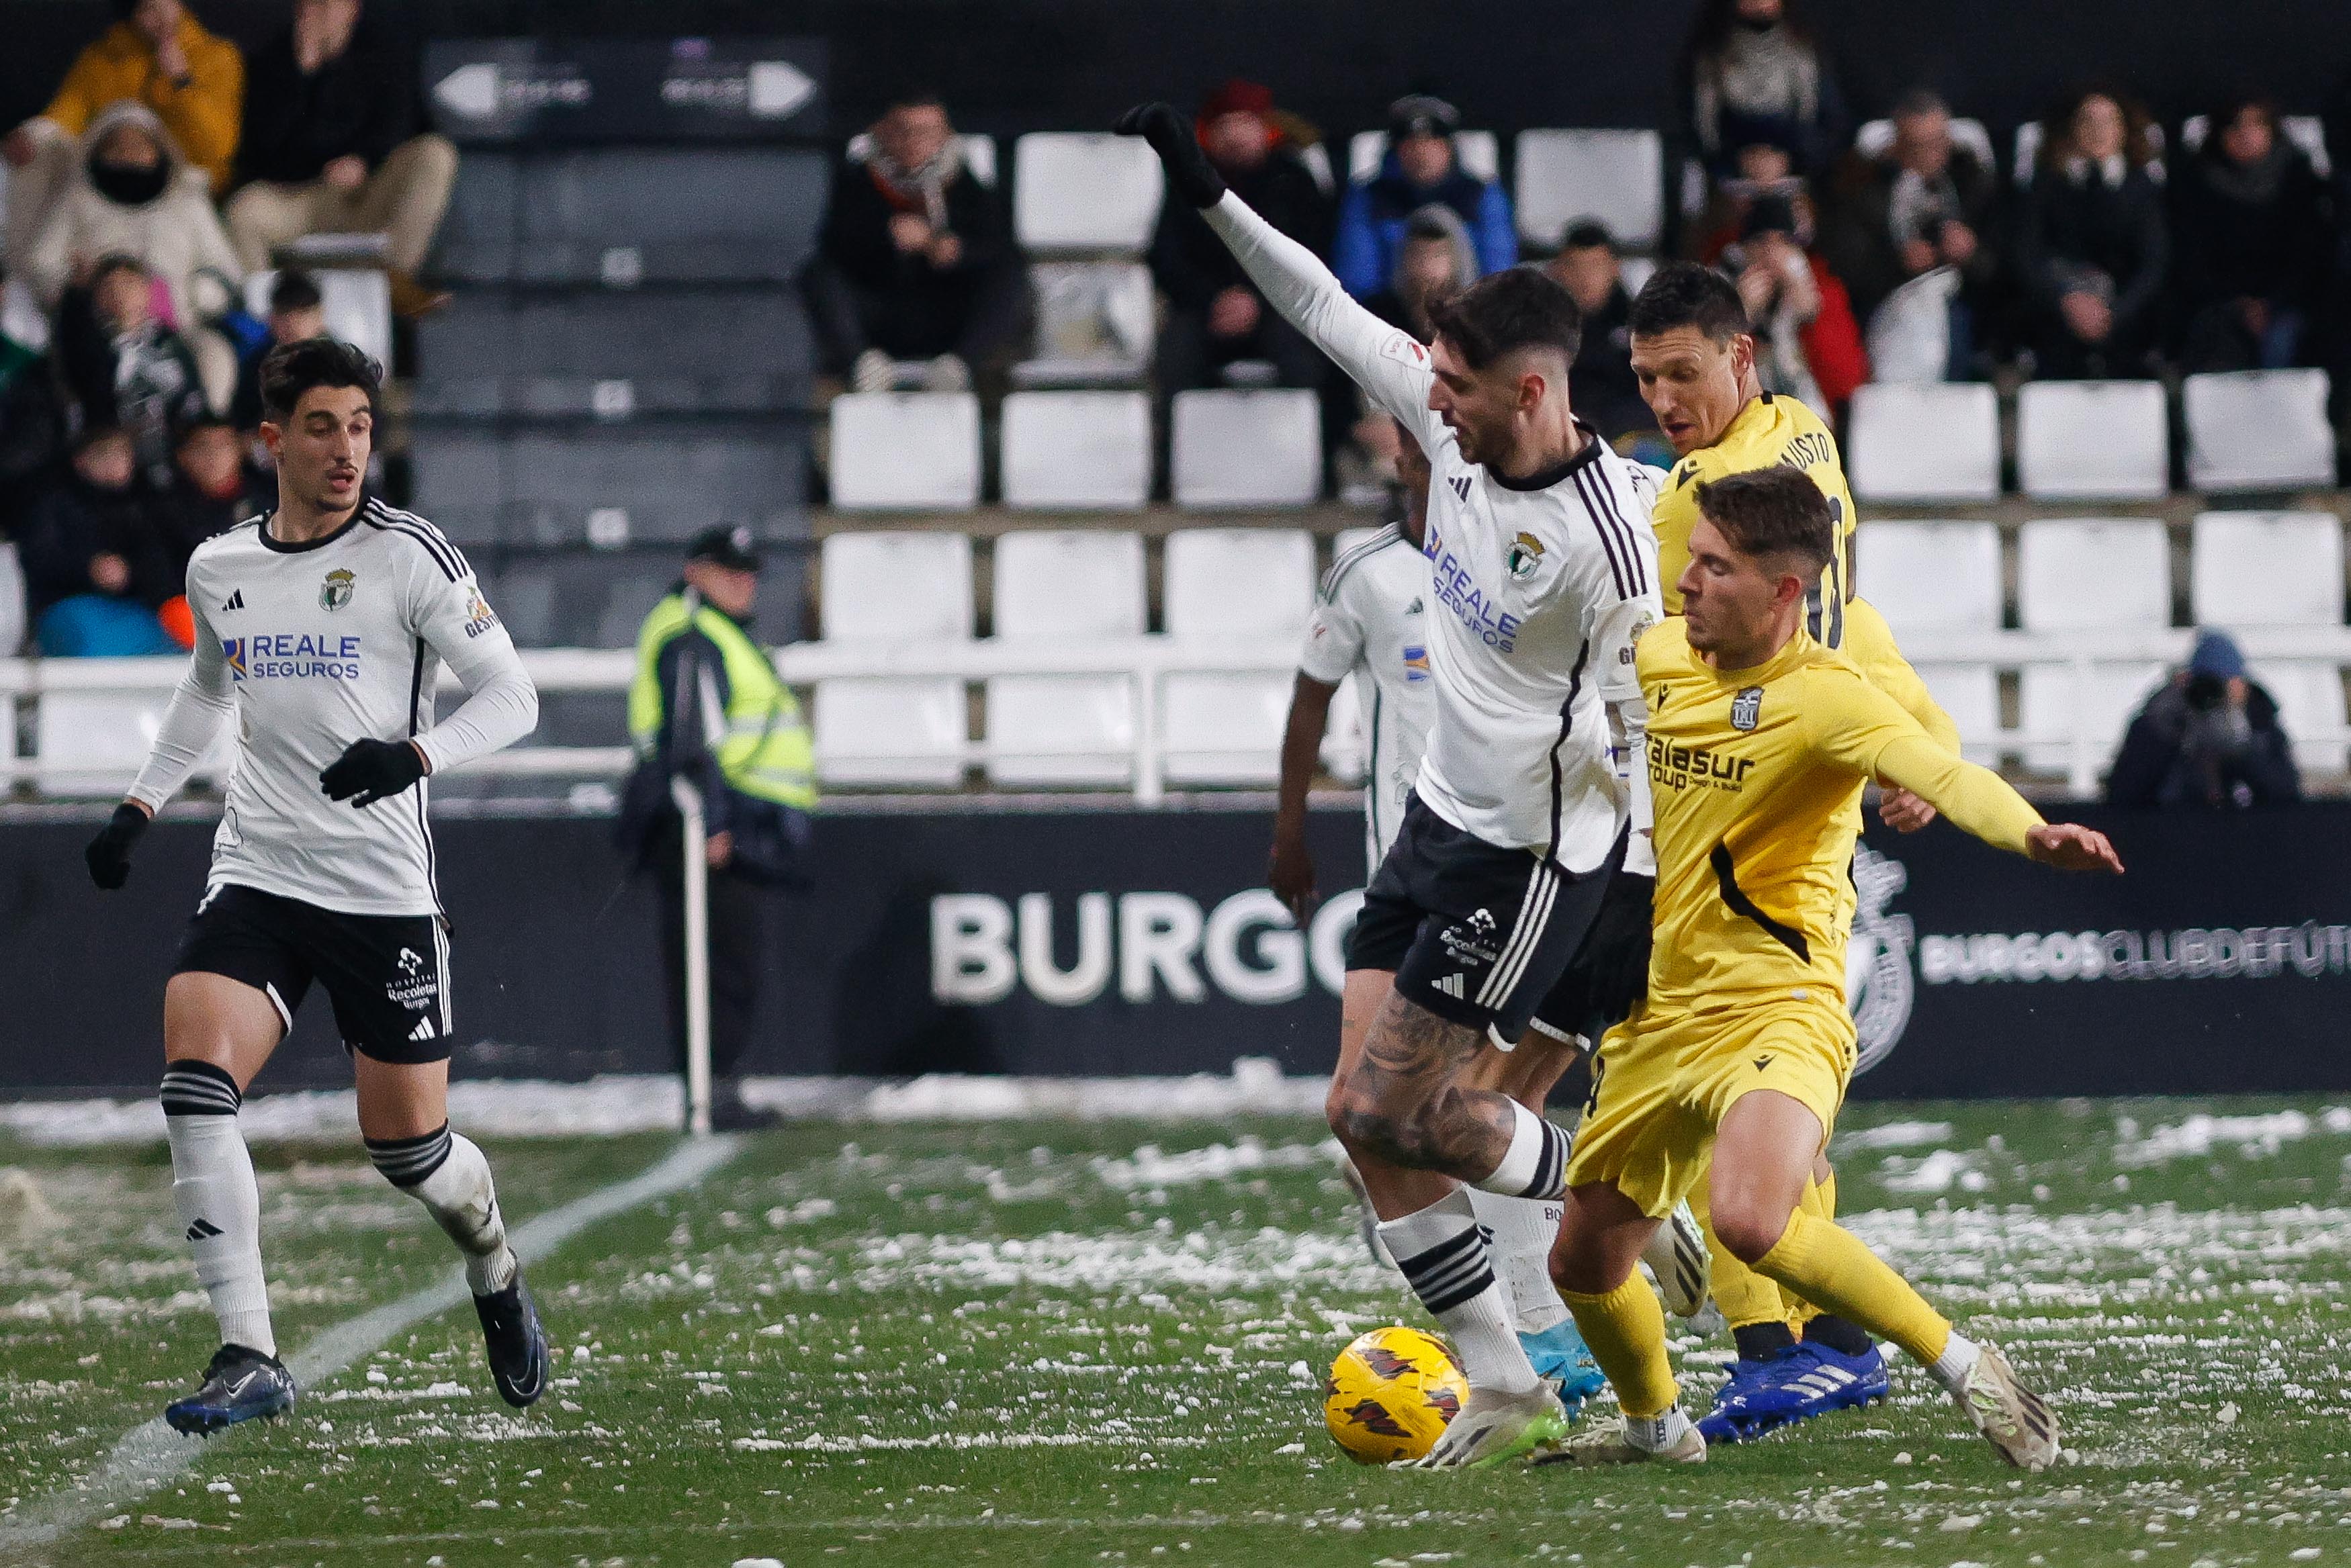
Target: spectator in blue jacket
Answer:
[[1422, 167]]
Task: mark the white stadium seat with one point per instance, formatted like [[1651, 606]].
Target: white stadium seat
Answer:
[[1616, 176], [2278, 568], [1067, 587], [1082, 190], [1479, 153], [2084, 440], [94, 742], [1076, 449], [1232, 448], [2258, 430], [1875, 138], [1095, 325], [1941, 576], [897, 587], [1925, 442], [1221, 586], [357, 302], [897, 451], [2089, 574]]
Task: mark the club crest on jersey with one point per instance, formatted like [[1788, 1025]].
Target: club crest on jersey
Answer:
[[1747, 708], [1523, 557], [336, 591]]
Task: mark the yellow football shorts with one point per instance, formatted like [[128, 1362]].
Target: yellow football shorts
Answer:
[[1663, 1082]]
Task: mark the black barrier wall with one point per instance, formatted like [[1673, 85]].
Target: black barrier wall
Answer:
[[1122, 941]]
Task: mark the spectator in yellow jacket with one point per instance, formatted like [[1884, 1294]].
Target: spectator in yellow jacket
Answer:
[[157, 54]]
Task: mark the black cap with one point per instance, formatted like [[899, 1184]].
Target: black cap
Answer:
[[1421, 114], [729, 544]]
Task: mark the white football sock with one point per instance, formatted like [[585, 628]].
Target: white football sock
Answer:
[[1656, 1433], [450, 1176], [1959, 1359], [219, 1202], [1535, 1165], [1444, 1259], [1521, 1231]]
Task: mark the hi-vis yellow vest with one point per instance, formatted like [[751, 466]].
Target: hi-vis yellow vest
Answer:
[[765, 749]]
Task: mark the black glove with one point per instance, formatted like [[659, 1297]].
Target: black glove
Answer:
[[110, 853], [1189, 170], [373, 771], [1618, 947]]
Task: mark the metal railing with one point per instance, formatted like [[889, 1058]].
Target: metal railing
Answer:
[[82, 765]]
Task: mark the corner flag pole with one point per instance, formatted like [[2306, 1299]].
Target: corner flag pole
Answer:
[[697, 957]]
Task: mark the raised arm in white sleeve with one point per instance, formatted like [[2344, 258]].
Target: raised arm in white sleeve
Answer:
[[198, 706], [1387, 362], [501, 703]]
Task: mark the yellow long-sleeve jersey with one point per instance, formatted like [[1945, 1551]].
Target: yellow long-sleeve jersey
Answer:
[[1756, 777], [1770, 433]]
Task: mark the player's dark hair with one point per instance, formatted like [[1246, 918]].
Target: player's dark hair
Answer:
[[113, 262], [1773, 514], [1518, 307], [1586, 234], [294, 368], [916, 94], [1684, 294], [295, 291]]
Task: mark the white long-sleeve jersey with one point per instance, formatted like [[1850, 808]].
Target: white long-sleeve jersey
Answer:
[[308, 647], [1370, 621], [1545, 583]]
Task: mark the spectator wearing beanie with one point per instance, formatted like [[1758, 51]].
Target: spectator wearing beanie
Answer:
[[1423, 166]]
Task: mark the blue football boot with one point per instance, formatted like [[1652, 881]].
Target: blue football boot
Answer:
[[1795, 1385], [1562, 1358], [240, 1385]]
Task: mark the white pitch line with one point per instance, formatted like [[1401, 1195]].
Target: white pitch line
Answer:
[[149, 1455]]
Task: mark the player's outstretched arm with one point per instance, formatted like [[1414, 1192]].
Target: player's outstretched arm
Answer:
[[1385, 362], [198, 706], [1290, 869], [2070, 846]]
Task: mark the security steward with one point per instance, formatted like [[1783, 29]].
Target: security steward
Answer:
[[707, 706]]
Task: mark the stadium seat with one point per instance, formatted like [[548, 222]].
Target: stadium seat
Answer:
[[461, 480], [1226, 588], [1084, 192], [1941, 576], [12, 605], [599, 599], [1067, 587], [1095, 322], [2083, 440], [1077, 449], [638, 483], [1246, 448], [893, 588], [2258, 430], [2089, 574], [477, 241], [358, 304], [1616, 176], [1481, 154], [2278, 568], [1875, 138], [2307, 131], [625, 217], [615, 356], [94, 742], [902, 450], [1925, 442]]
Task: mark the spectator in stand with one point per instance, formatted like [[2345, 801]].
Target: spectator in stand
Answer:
[[123, 368], [1215, 316], [1435, 261], [296, 313], [915, 260], [331, 145], [209, 492], [1925, 206], [1761, 169], [1601, 388], [156, 55], [2209, 739], [2091, 245], [1752, 73], [31, 425], [2252, 243], [95, 567], [132, 196], [1807, 345], [1423, 166]]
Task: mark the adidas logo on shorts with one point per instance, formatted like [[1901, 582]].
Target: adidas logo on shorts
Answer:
[[423, 1030]]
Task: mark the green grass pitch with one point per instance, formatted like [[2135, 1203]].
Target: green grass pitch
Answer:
[[1055, 1343]]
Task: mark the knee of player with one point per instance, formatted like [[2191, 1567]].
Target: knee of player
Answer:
[[1365, 1126], [1747, 1228]]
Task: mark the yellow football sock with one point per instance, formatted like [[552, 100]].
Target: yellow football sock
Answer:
[[1746, 1297], [1819, 1201], [1827, 1263], [1626, 1330]]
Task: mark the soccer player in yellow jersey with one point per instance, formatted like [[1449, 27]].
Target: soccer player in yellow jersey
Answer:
[[1694, 357], [1758, 744]]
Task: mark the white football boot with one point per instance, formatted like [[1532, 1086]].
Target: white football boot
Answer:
[[1678, 1262], [1494, 1429], [2013, 1418]]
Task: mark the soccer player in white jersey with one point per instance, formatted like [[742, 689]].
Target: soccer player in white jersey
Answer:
[[1542, 573], [321, 631]]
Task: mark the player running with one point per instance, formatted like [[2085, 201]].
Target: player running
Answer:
[[1694, 355], [1370, 622], [321, 630], [1543, 567], [1760, 741]]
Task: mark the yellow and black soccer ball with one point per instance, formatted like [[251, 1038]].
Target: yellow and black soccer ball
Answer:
[[1391, 1395]]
